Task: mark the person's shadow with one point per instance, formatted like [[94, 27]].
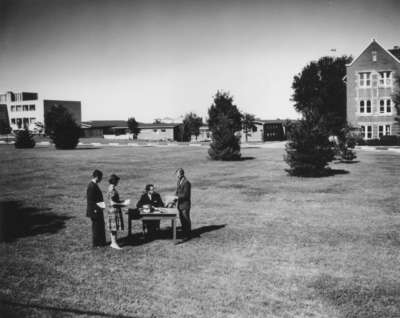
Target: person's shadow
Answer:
[[166, 234]]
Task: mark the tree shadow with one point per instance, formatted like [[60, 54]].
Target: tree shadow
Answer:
[[18, 221], [246, 158], [165, 234], [329, 172]]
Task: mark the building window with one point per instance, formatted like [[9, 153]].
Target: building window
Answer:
[[374, 56], [380, 131], [32, 107], [18, 108], [388, 131], [13, 108], [362, 106], [162, 130], [13, 121], [25, 108], [155, 130], [385, 78], [382, 106], [368, 106], [369, 132], [366, 131], [365, 79], [389, 105]]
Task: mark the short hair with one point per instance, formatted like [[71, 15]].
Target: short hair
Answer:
[[113, 179], [97, 174], [148, 186], [180, 171]]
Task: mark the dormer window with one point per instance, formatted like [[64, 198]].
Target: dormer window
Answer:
[[385, 78], [365, 79], [374, 56]]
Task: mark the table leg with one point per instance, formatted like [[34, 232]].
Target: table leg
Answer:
[[173, 221], [129, 225]]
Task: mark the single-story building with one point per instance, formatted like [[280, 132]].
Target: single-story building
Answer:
[[159, 131], [266, 130], [103, 128]]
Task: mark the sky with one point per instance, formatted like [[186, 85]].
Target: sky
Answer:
[[154, 59]]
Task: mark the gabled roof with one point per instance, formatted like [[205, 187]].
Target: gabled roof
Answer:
[[374, 41]]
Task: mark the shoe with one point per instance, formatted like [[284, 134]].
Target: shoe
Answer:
[[115, 246]]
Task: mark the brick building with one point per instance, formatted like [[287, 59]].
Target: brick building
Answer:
[[370, 84]]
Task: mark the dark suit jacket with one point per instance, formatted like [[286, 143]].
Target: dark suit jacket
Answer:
[[183, 189], [93, 196], [155, 200]]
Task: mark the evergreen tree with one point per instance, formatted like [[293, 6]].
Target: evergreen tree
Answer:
[[309, 150], [61, 127], [224, 121], [133, 126], [24, 139]]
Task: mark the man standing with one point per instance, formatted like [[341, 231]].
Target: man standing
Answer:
[[183, 198], [94, 210]]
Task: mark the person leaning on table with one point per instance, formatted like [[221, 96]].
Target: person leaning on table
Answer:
[[94, 211], [183, 189], [115, 219], [150, 197]]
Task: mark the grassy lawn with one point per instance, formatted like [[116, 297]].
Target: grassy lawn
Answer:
[[268, 245]]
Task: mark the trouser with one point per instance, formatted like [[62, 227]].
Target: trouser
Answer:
[[98, 230], [184, 216]]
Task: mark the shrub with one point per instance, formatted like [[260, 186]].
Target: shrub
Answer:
[[308, 150], [61, 127], [24, 139], [389, 140]]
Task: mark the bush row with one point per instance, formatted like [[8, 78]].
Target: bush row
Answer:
[[383, 141]]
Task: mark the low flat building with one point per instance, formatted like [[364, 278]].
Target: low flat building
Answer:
[[25, 109], [159, 131], [103, 128], [265, 130]]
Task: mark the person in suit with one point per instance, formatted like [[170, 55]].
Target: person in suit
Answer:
[[94, 211], [183, 197], [150, 197]]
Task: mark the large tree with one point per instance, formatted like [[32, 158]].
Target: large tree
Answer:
[[191, 125], [224, 121], [61, 127], [320, 86], [133, 126], [248, 124]]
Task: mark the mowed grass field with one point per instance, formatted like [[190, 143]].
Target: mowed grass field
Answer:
[[267, 245]]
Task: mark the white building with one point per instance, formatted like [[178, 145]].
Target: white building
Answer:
[[25, 109]]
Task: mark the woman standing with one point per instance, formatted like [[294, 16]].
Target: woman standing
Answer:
[[115, 219]]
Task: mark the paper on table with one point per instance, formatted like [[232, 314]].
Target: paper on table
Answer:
[[101, 205], [170, 199]]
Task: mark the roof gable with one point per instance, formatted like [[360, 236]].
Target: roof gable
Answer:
[[374, 46]]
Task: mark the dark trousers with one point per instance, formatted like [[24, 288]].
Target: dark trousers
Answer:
[[98, 230], [184, 216]]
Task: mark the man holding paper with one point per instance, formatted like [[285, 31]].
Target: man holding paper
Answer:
[[94, 209]]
